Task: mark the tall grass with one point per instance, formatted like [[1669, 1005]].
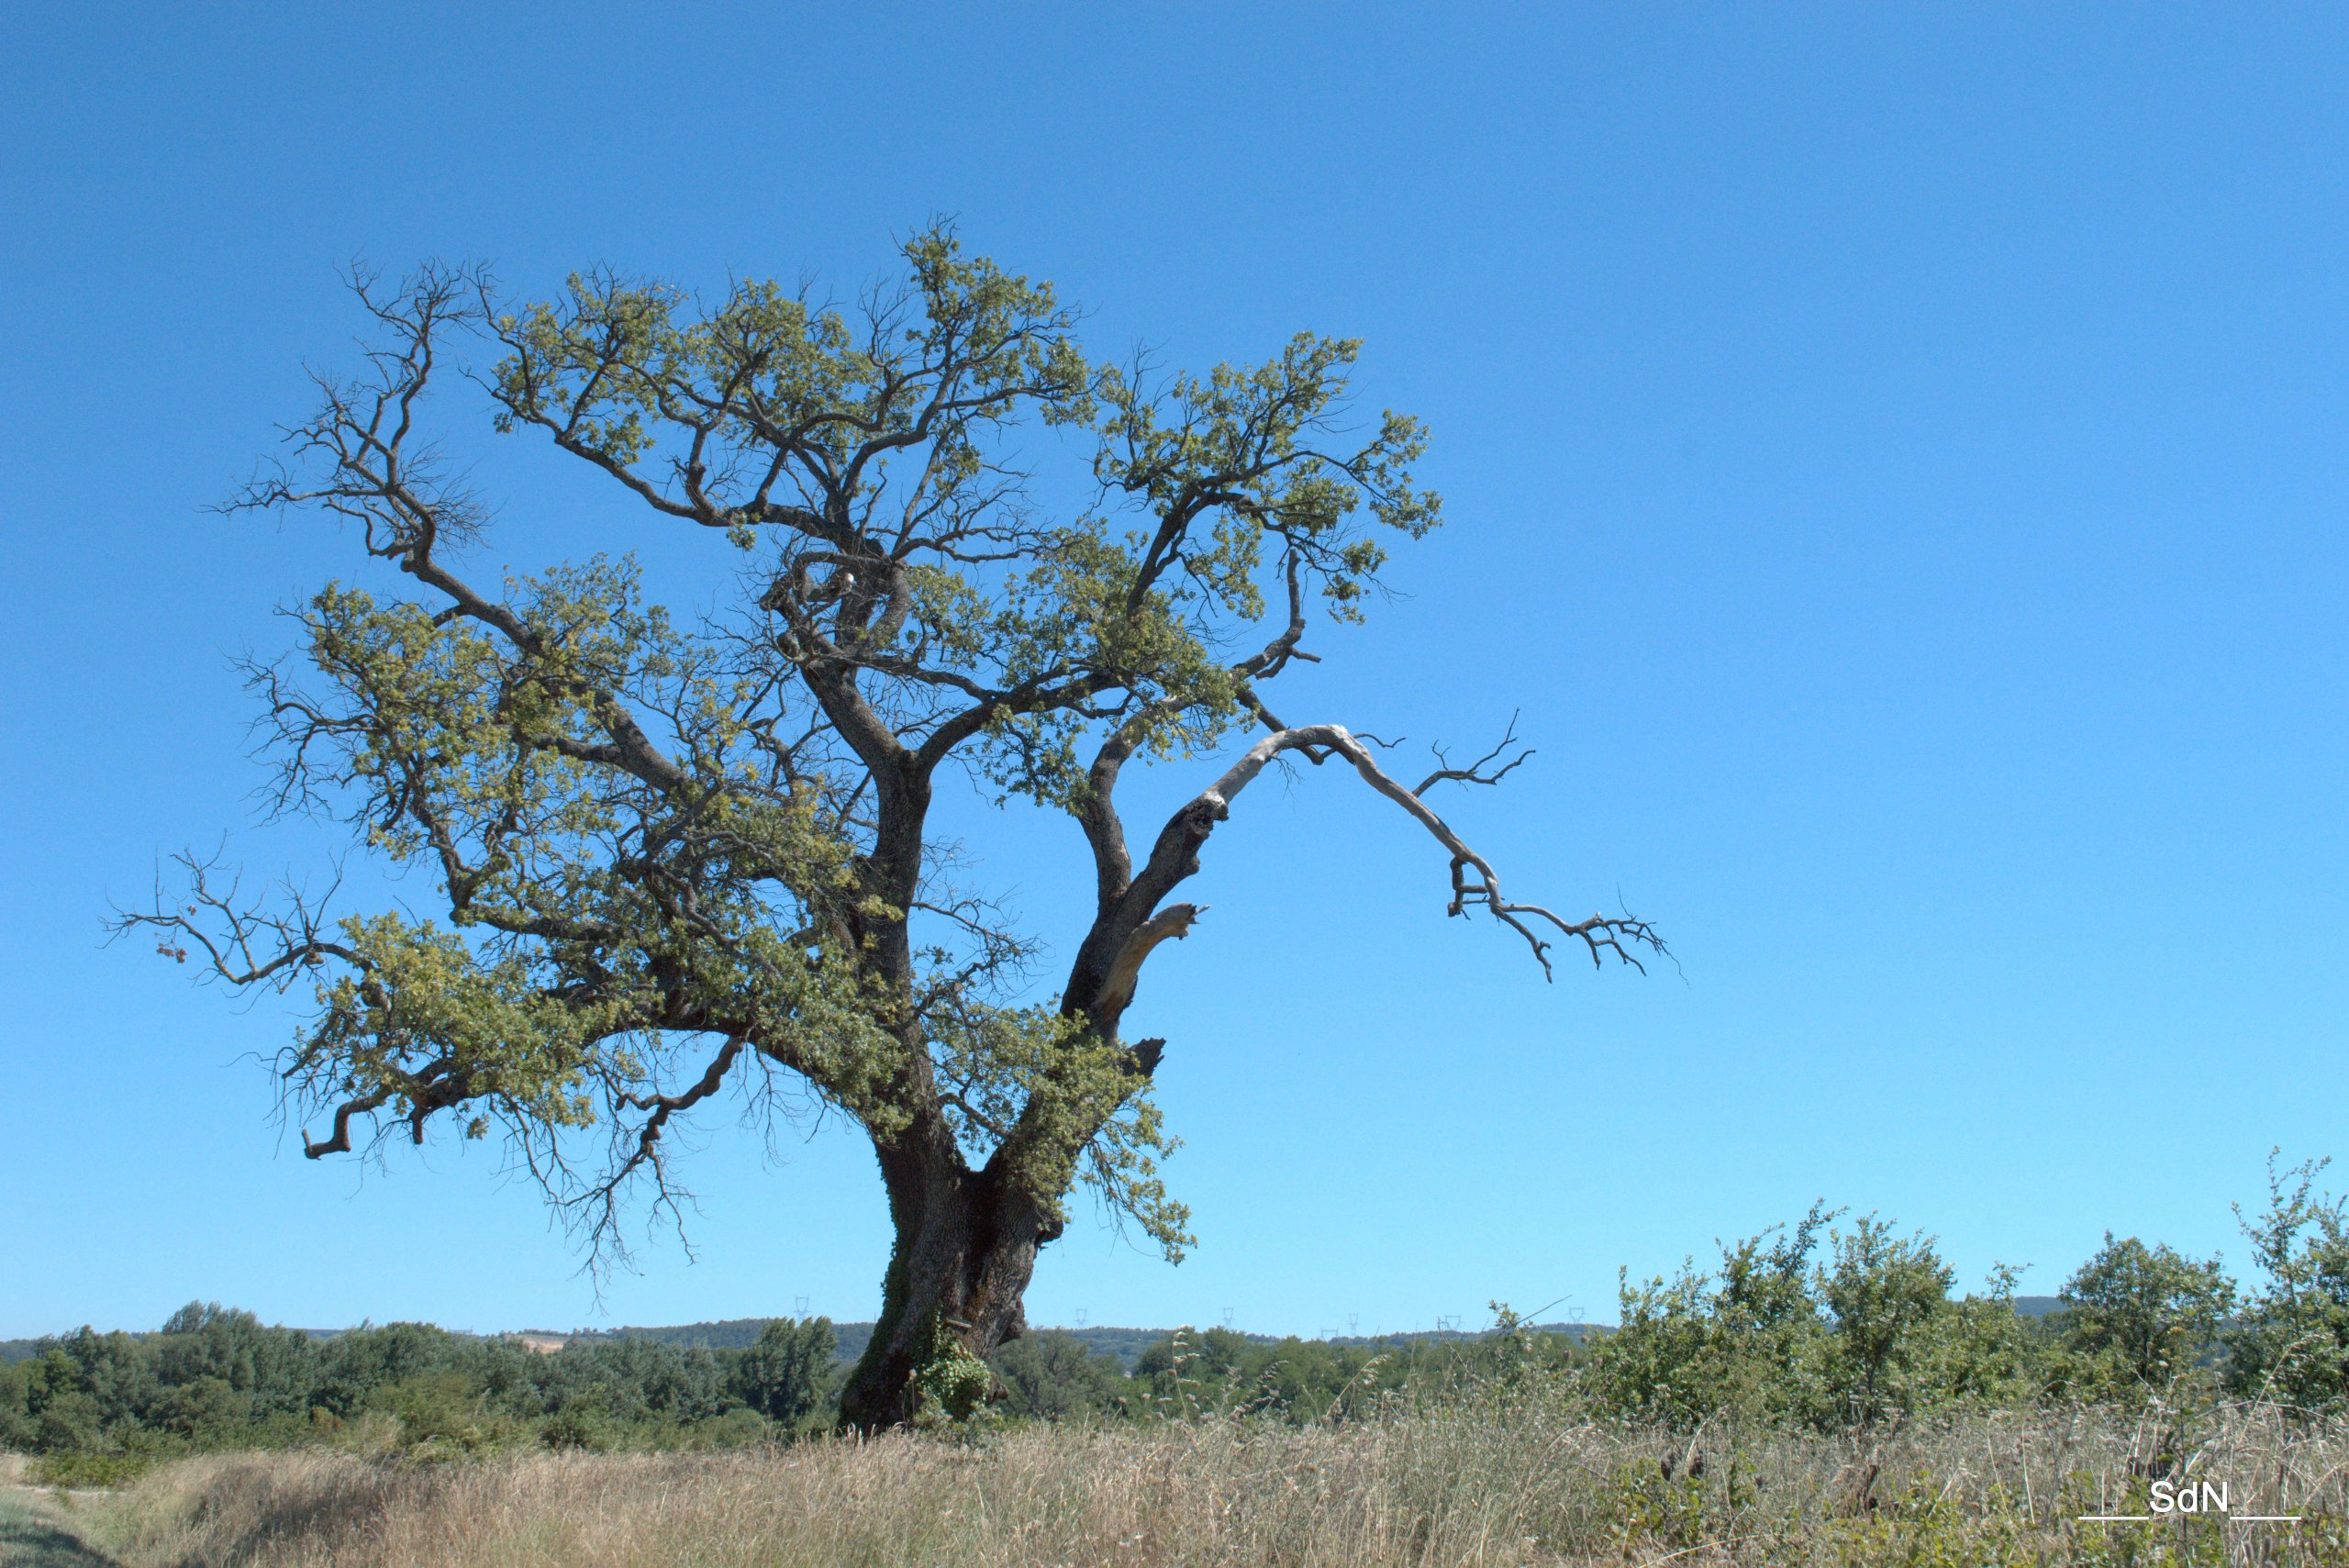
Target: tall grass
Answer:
[[1486, 1481]]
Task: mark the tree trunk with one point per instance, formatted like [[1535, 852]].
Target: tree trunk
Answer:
[[965, 1249]]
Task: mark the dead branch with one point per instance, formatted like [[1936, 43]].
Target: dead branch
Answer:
[[1475, 773]]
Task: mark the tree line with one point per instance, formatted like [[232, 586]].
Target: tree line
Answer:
[[1832, 1323], [215, 1377]]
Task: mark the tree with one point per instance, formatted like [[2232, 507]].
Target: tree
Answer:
[[2140, 1316], [1058, 1377], [789, 1372], [1884, 1293], [274, 1368], [1745, 1342], [679, 856]]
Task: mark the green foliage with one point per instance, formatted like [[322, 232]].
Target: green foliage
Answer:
[[215, 1378], [69, 1419], [444, 1414], [1074, 1098], [950, 1383], [85, 1467], [2137, 1319], [1748, 1340], [2292, 1342], [16, 1413], [1770, 1338], [1989, 1356], [582, 1424], [1885, 1296], [791, 1373], [1054, 1377], [1297, 1381], [1774, 1335], [206, 1410]]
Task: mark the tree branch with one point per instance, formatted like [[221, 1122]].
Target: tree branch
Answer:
[[1475, 772], [1474, 883]]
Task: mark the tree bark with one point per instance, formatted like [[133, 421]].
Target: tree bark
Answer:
[[965, 1250]]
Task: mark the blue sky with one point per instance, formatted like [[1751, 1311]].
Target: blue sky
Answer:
[[1895, 458]]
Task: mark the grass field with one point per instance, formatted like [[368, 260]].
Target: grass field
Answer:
[[1491, 1484], [35, 1534]]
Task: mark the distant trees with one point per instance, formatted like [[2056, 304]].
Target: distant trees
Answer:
[[1193, 1372], [1055, 1376], [1834, 1327], [791, 1372], [214, 1377], [271, 1370]]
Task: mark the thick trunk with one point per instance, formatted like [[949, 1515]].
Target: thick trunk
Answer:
[[964, 1252]]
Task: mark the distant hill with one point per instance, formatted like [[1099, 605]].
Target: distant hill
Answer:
[[734, 1333], [1126, 1344], [726, 1334]]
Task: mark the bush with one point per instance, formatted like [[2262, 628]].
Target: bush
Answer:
[[441, 1415], [87, 1469], [584, 1425], [2136, 1319], [2292, 1342], [1771, 1339], [67, 1421]]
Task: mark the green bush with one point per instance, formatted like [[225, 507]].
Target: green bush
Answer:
[[82, 1468], [442, 1415], [1770, 1338], [2291, 1343], [206, 1410], [582, 1424], [2137, 1319]]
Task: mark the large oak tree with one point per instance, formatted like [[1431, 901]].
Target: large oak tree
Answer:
[[679, 856]]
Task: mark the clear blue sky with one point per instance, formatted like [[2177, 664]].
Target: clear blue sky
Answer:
[[1896, 457]]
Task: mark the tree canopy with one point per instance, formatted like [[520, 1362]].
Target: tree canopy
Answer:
[[679, 855]]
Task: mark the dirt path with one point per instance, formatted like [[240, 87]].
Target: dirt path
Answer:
[[33, 1535]]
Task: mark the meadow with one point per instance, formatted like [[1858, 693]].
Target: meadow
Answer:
[[1820, 1395], [1495, 1476]]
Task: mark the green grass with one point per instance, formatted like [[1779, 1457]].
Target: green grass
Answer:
[[34, 1534]]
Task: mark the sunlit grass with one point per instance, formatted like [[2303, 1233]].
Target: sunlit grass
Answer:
[[1489, 1481]]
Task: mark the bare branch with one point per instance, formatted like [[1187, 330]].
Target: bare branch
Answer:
[[1474, 883], [1474, 773], [600, 1201], [247, 942]]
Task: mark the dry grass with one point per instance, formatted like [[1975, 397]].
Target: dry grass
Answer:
[[1490, 1486]]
